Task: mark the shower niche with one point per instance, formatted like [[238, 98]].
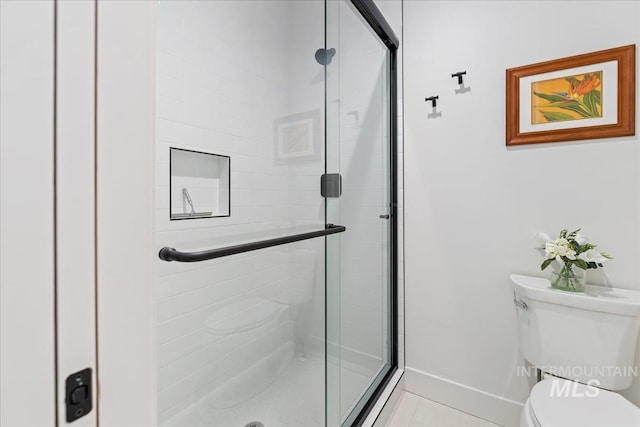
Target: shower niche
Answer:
[[199, 184]]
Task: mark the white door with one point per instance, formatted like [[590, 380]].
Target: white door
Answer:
[[47, 257], [27, 356], [75, 231]]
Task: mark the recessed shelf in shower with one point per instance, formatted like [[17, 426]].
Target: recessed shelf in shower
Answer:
[[199, 184]]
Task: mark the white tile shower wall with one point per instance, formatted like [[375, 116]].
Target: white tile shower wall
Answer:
[[226, 71]]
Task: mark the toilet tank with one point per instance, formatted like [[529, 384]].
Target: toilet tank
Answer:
[[587, 337]]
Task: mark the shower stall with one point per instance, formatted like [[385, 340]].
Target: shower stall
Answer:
[[275, 212]]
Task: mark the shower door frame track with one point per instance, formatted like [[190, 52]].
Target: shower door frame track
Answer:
[[372, 15]]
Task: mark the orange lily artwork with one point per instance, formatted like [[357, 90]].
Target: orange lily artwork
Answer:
[[568, 98]]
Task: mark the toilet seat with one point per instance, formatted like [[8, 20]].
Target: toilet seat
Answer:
[[555, 402]]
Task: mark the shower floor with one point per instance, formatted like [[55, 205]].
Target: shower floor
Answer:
[[287, 402], [290, 401]]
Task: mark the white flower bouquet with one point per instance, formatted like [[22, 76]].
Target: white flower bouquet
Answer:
[[571, 250]]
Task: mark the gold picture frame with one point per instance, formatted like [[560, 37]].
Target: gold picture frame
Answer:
[[575, 98]]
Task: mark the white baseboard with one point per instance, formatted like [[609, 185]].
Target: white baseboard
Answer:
[[478, 403]]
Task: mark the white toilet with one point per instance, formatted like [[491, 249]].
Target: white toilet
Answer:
[[589, 340]]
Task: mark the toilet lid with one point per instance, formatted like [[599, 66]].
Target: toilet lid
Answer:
[[561, 403]]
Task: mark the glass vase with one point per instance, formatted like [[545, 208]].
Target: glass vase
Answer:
[[568, 278]]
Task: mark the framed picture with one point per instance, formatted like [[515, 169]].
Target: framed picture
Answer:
[[580, 97], [297, 137]]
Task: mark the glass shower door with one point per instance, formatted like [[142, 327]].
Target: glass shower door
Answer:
[[245, 91], [359, 261], [239, 153]]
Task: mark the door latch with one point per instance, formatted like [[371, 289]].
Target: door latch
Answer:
[[78, 395]]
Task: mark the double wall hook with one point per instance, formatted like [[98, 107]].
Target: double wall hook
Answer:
[[459, 75], [433, 100]]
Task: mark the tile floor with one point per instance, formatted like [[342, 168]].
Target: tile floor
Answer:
[[415, 411]]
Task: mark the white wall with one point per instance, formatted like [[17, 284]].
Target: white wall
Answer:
[[474, 206]]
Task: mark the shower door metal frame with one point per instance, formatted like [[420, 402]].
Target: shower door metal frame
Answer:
[[372, 15]]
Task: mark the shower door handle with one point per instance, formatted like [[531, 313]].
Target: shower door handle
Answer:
[[171, 254], [387, 216]]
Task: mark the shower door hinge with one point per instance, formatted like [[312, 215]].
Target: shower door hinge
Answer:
[[331, 185]]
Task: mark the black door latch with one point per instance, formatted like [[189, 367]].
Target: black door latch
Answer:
[[78, 397]]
